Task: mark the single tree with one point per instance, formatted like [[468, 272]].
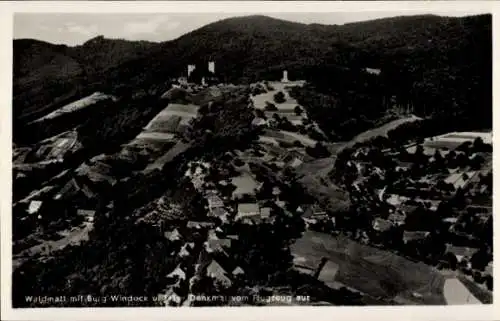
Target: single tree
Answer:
[[279, 97]]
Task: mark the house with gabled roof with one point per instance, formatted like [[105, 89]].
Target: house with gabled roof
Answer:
[[214, 201], [177, 274], [461, 252], [221, 213], [173, 235], [215, 271]]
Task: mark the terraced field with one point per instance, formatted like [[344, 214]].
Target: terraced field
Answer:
[[375, 272], [172, 119], [75, 106], [382, 130]]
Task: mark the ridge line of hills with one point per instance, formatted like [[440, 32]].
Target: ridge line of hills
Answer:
[[250, 48]]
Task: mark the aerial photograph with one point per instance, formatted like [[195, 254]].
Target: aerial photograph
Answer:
[[270, 159]]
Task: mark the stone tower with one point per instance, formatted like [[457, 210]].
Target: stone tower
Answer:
[[211, 66]]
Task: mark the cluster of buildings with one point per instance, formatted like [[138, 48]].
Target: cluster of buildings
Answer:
[[425, 193], [200, 264]]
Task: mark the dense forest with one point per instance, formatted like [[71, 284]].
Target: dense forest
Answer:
[[429, 63]]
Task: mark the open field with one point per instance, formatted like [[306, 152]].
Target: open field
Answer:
[[259, 101], [156, 136], [382, 130], [77, 105], [74, 236], [375, 272], [288, 137]]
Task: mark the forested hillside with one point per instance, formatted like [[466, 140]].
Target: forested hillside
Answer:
[[435, 64]]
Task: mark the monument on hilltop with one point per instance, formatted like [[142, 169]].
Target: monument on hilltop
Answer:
[[285, 76]]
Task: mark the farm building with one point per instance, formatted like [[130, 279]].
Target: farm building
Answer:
[[34, 207], [219, 212], [199, 225], [461, 252], [217, 245], [214, 201]]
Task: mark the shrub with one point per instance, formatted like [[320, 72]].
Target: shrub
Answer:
[[270, 106], [279, 97]]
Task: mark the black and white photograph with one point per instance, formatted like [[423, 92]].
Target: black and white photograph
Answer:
[[260, 159]]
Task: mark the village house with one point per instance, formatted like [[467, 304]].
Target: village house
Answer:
[[265, 213], [177, 274], [199, 225], [213, 200], [215, 271]]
